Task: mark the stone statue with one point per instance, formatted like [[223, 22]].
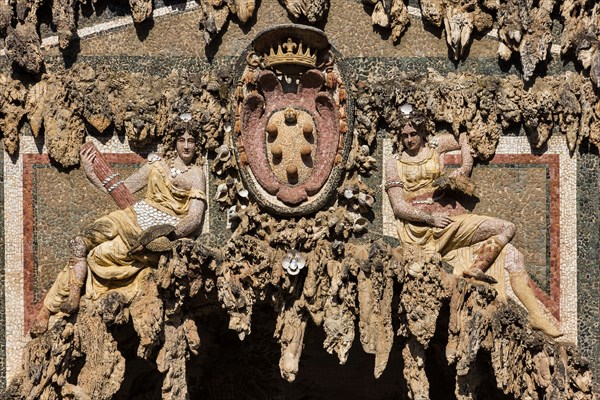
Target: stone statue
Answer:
[[428, 217], [110, 253]]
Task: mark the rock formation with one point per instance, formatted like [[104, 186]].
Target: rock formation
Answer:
[[80, 357]]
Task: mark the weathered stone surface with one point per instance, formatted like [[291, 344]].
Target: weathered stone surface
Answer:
[[67, 106], [485, 106], [23, 47], [525, 363], [313, 11]]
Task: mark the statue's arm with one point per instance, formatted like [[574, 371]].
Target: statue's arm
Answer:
[[401, 208], [139, 179], [404, 210], [87, 162], [193, 220], [448, 142]]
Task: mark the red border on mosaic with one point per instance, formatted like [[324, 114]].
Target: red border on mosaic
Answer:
[[31, 308], [552, 301]]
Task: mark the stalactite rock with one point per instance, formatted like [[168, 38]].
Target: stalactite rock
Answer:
[[313, 11], [63, 16], [525, 363], [141, 10], [23, 47], [12, 104], [526, 29]]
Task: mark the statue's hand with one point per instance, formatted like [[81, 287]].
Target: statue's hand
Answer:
[[154, 239], [441, 220], [88, 156]]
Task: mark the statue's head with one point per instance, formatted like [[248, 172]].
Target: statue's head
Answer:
[[182, 140], [409, 117], [412, 128]]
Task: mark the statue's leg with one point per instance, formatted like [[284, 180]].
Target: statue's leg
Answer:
[[77, 273], [65, 292], [519, 281], [40, 324], [493, 235]]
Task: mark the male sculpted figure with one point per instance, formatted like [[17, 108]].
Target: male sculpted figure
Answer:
[[103, 256]]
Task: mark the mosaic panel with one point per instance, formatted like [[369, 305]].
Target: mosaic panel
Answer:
[[2, 278], [54, 213], [526, 190], [588, 273]]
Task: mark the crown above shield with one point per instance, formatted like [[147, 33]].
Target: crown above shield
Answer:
[[291, 52]]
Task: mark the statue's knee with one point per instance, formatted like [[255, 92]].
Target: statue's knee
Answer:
[[514, 260], [509, 229], [78, 246]]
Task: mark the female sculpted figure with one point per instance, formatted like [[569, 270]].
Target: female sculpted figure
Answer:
[[429, 218], [174, 196]]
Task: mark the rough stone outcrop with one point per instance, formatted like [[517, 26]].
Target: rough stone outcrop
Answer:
[[526, 29], [82, 357], [65, 107], [313, 11], [486, 106]]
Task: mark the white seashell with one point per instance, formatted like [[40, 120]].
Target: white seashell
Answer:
[[364, 149], [360, 224], [243, 193], [223, 152], [293, 262], [348, 193], [365, 199], [222, 191], [415, 269], [232, 213]]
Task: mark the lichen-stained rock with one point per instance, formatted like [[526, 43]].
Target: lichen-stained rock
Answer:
[[460, 19], [12, 111], [313, 11], [63, 16], [214, 14], [525, 27], [23, 47]]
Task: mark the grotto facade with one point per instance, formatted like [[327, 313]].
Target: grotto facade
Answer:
[[267, 233]]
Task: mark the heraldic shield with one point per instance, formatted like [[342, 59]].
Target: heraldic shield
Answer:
[[291, 135]]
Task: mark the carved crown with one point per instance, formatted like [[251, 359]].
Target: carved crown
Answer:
[[290, 52]]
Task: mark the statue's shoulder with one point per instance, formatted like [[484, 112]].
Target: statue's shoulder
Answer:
[[154, 158]]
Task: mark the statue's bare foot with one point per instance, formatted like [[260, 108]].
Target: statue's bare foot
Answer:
[[72, 303], [40, 325], [478, 275], [543, 325]]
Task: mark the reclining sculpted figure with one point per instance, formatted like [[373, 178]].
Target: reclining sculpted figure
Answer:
[[429, 218], [109, 254]]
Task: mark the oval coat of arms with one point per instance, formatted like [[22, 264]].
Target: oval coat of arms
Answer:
[[291, 135]]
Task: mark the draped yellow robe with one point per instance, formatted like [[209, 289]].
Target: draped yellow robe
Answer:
[[109, 265]]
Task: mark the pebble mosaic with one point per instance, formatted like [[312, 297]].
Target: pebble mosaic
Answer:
[[2, 280], [530, 191], [588, 259], [559, 199]]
